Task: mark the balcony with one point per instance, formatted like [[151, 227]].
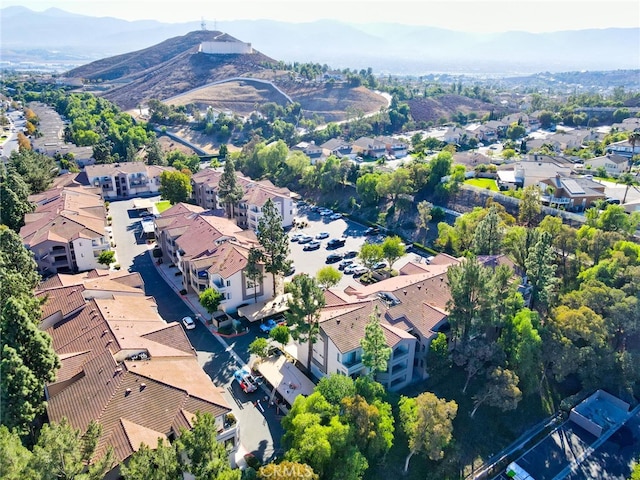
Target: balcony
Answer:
[[219, 285], [351, 359], [400, 353]]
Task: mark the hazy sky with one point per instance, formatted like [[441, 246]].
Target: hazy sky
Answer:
[[463, 15]]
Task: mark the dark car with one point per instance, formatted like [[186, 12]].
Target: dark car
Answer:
[[372, 231], [344, 264], [335, 243], [350, 254], [334, 257], [312, 246]]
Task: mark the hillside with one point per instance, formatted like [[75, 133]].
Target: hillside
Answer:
[[167, 69], [432, 109], [175, 71]]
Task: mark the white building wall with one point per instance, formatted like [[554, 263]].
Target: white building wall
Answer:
[[225, 48], [86, 254]]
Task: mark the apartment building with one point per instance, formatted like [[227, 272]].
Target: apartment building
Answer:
[[247, 212], [124, 367], [67, 230], [127, 179]]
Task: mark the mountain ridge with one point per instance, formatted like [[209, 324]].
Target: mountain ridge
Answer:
[[385, 47]]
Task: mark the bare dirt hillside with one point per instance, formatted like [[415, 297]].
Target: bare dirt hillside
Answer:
[[432, 109]]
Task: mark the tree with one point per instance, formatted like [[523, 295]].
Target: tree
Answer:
[[530, 206], [424, 215], [286, 470], [155, 155], [37, 170], [474, 356], [14, 201], [366, 186], [393, 249], [440, 167], [159, 463], [259, 347], [253, 271], [487, 239], [200, 452], [633, 139], [280, 334], [175, 187], [371, 425], [328, 277], [522, 345], [210, 299], [427, 421], [501, 390], [628, 180], [370, 254], [336, 387], [375, 351], [106, 257], [515, 131], [64, 452], [229, 191], [307, 299], [541, 271], [15, 457], [274, 241], [471, 307], [223, 151], [438, 359]]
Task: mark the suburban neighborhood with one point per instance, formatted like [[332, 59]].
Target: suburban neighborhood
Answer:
[[194, 293]]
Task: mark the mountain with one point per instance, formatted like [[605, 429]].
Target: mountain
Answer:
[[385, 47], [169, 68]]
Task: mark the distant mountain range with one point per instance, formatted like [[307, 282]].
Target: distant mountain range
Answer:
[[58, 36]]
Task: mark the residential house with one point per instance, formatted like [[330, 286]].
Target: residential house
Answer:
[[627, 125], [453, 135], [396, 148], [370, 147], [573, 193], [340, 148], [571, 139], [623, 148], [125, 368], [614, 164], [530, 172], [67, 231], [311, 150], [494, 129], [124, 180], [204, 188]]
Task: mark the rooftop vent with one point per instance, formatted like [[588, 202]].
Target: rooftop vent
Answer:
[[127, 392], [143, 386]]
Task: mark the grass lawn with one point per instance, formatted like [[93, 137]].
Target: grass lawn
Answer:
[[475, 439], [489, 183], [163, 205]]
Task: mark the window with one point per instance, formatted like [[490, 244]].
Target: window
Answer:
[[228, 296], [228, 283]]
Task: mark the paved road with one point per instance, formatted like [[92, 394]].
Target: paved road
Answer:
[[260, 433]]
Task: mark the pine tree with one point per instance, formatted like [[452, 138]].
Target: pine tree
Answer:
[[376, 353], [228, 189], [274, 241]]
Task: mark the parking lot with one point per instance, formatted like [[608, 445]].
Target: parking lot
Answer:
[[353, 233]]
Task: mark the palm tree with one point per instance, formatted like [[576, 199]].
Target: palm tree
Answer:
[[628, 180], [633, 139]]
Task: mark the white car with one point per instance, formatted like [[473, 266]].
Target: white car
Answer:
[[322, 235], [188, 323], [336, 216], [326, 213], [359, 271]]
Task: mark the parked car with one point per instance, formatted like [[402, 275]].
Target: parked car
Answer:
[[372, 231], [334, 257], [247, 382], [326, 213], [344, 264], [349, 269], [291, 271], [358, 271], [305, 239], [322, 235], [268, 325], [296, 236], [350, 254], [380, 265], [188, 323], [335, 216], [311, 246], [335, 243]]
